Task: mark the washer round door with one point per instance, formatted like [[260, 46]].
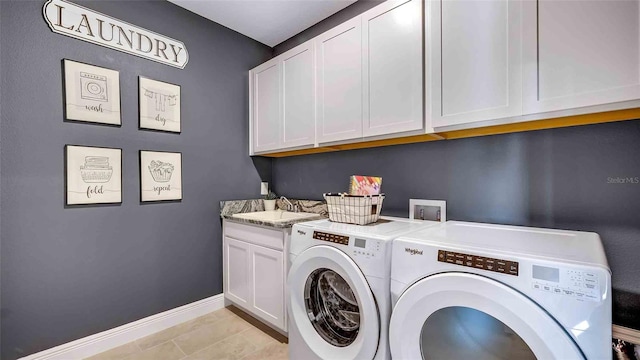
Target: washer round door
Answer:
[[467, 316], [332, 305]]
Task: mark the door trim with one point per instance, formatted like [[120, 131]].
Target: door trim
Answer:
[[366, 343]]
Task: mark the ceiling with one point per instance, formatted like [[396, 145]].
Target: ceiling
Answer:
[[267, 21]]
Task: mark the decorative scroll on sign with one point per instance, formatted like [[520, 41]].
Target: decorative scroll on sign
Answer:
[[85, 24]]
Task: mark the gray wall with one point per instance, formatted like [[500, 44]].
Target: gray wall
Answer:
[[71, 272], [553, 178]]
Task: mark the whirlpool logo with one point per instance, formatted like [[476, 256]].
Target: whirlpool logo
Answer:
[[302, 232], [413, 251]]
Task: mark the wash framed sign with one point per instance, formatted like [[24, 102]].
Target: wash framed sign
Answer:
[[76, 21]]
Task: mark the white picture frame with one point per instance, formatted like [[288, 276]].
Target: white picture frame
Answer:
[[93, 175], [160, 176], [159, 105], [433, 210], [91, 93]]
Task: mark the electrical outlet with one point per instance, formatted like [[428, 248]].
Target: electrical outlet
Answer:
[[264, 188]]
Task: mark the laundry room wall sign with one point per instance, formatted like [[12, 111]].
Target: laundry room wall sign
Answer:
[[85, 24]]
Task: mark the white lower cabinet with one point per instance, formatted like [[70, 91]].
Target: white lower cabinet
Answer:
[[237, 261], [254, 270], [267, 267]]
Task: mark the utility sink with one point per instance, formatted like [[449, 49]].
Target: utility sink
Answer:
[[276, 216]]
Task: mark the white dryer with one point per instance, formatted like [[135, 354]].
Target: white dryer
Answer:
[[339, 300], [479, 291]]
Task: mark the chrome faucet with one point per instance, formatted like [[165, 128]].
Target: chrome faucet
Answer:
[[290, 206]]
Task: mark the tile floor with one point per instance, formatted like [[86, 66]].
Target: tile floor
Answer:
[[224, 334]]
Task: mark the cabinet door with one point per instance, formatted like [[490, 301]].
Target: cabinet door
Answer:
[[339, 82], [580, 53], [392, 68], [475, 68], [268, 284], [237, 266], [266, 106], [299, 94]]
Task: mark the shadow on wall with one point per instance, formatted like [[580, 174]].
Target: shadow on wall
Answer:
[[263, 167]]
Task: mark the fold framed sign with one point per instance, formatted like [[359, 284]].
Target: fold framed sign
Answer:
[[76, 21]]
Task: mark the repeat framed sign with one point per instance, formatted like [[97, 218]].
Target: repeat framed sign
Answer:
[[160, 176]]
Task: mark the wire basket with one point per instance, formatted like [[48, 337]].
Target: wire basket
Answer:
[[354, 209]]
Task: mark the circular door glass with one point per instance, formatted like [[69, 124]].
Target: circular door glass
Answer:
[[332, 307], [463, 333]]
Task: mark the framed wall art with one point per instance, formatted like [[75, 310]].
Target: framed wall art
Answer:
[[91, 93], [159, 105], [160, 176], [93, 175]]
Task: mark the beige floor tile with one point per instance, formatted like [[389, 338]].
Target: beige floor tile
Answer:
[[210, 334], [223, 313], [166, 351], [175, 331], [258, 337], [232, 348], [117, 353], [277, 351]]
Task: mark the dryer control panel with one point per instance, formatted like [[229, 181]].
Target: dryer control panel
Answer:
[[575, 283], [479, 262]]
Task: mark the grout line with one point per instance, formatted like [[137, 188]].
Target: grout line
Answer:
[[135, 342], [179, 348], [212, 344]]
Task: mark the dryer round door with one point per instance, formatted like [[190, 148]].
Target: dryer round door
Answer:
[[467, 316], [332, 305]]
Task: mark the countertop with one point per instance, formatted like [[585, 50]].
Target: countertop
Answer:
[[231, 207], [278, 225]]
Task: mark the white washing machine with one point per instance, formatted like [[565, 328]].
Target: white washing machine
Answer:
[[339, 300], [480, 291]]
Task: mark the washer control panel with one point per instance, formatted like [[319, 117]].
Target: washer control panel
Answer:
[[479, 262], [334, 238], [366, 248], [579, 284]]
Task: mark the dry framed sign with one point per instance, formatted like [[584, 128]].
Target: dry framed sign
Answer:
[[93, 175], [160, 176], [91, 93], [159, 105]]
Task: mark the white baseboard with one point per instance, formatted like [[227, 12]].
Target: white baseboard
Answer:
[[95, 344]]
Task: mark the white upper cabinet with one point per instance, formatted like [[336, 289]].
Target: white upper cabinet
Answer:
[[266, 105], [283, 101], [473, 61], [580, 53], [298, 122], [339, 82], [392, 68]]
